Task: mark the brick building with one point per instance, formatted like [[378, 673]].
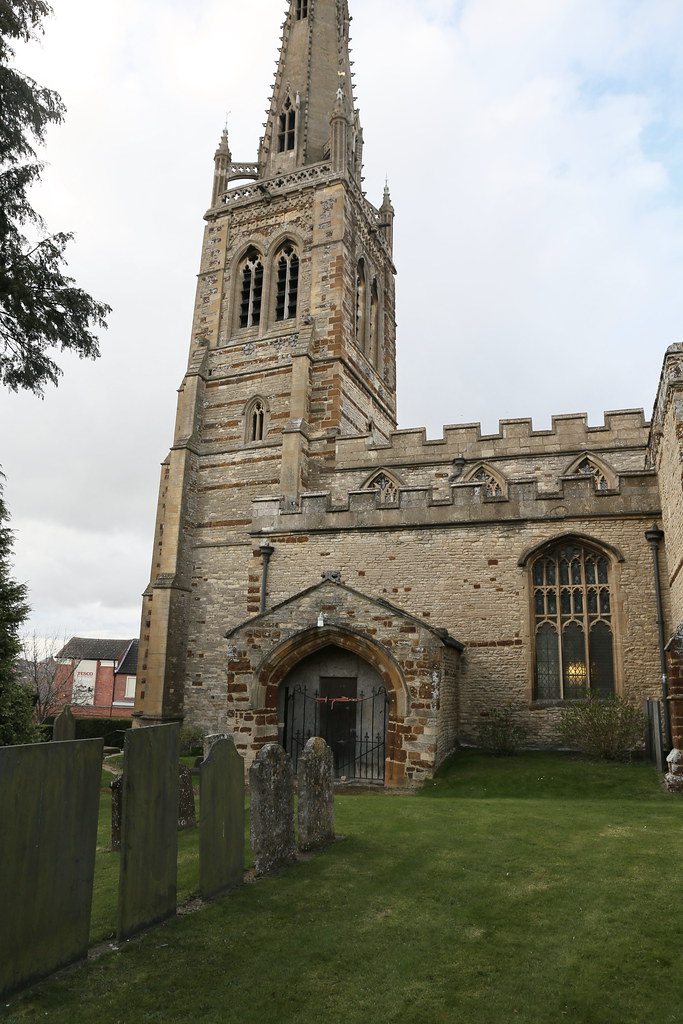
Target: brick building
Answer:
[[97, 677], [316, 569]]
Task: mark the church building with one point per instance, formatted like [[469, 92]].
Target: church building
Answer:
[[318, 572]]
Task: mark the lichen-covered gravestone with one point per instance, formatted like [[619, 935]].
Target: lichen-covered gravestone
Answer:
[[271, 781], [221, 819], [116, 797], [187, 817], [149, 828], [316, 795]]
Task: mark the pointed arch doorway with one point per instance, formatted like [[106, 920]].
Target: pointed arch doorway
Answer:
[[334, 693]]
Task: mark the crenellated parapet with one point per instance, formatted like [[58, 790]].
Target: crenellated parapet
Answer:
[[636, 494], [621, 429]]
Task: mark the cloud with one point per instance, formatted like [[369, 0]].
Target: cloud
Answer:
[[534, 157]]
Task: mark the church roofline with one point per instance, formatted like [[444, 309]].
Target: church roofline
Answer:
[[441, 634]]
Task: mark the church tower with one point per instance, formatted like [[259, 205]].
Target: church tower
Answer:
[[293, 345]]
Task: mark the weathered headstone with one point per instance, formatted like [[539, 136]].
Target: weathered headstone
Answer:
[[64, 727], [316, 795], [221, 819], [271, 782], [149, 828], [116, 787], [49, 801], [186, 810]]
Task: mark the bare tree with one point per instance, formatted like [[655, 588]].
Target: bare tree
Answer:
[[49, 678]]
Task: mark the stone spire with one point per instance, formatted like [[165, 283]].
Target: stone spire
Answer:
[[312, 82], [386, 217], [222, 162]]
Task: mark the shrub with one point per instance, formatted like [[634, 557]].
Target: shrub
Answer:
[[191, 741], [501, 734], [608, 728], [111, 730]]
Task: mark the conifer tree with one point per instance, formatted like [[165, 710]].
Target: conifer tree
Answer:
[[41, 308], [17, 720]]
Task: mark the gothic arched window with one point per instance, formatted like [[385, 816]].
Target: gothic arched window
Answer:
[[488, 484], [573, 630], [287, 282], [252, 289], [588, 468], [286, 127], [301, 9], [374, 322], [386, 488], [256, 420], [361, 305]]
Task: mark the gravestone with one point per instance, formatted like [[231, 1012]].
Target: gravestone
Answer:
[[49, 802], [64, 727], [186, 810], [149, 828], [316, 795], [271, 782], [221, 819], [214, 738], [116, 787]]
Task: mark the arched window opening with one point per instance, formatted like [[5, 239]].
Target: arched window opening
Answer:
[[361, 300], [588, 468], [256, 421], [301, 9], [488, 486], [574, 643], [374, 322], [386, 488], [286, 127], [287, 283], [252, 289]]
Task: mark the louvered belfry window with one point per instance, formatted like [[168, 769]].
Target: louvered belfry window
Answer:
[[252, 290], [287, 283], [574, 640], [286, 128]]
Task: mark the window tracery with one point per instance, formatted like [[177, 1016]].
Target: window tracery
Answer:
[[589, 468], [573, 629], [488, 486], [301, 9], [287, 282], [252, 289], [386, 488]]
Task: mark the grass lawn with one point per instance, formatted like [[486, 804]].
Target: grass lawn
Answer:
[[537, 888]]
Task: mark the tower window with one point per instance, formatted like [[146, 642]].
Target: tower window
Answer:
[[374, 323], [258, 415], [255, 420], [286, 128], [287, 283], [301, 8], [361, 307], [252, 290], [572, 624]]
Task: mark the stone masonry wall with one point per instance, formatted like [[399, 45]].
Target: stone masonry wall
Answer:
[[410, 657]]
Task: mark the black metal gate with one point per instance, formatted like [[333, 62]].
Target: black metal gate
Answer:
[[354, 727]]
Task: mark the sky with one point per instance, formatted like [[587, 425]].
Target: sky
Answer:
[[534, 152]]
